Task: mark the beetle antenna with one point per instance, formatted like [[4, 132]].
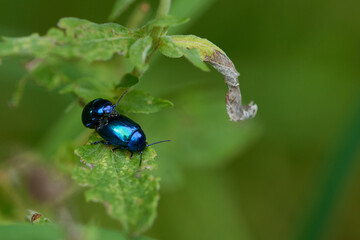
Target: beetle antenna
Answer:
[[148, 146], [158, 142], [120, 98]]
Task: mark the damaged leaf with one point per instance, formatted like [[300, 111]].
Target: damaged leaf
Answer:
[[75, 38], [170, 49], [129, 193], [205, 47], [217, 58]]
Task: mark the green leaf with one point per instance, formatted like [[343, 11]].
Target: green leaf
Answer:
[[97, 80], [56, 232], [46, 73], [119, 7], [76, 38], [168, 21], [193, 55], [168, 47], [128, 80], [86, 80], [87, 89], [177, 46], [142, 102], [31, 45], [139, 51], [129, 193]]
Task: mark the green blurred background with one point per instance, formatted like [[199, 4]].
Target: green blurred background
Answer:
[[290, 173]]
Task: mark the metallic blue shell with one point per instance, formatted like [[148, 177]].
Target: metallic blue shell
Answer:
[[94, 111], [123, 132]]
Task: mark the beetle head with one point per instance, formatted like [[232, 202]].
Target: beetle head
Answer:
[[95, 111]]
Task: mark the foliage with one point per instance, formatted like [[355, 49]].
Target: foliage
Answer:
[[129, 193], [91, 60], [74, 38]]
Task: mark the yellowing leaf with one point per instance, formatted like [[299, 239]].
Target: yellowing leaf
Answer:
[[170, 48], [205, 47]]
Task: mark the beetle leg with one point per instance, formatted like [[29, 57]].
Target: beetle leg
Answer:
[[114, 114], [116, 148], [99, 127], [101, 141], [131, 155], [102, 123], [141, 153], [105, 121]]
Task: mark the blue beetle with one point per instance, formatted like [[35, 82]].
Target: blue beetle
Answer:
[[114, 128]]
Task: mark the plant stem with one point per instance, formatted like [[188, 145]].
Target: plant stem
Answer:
[[19, 92], [163, 10], [157, 32], [139, 14]]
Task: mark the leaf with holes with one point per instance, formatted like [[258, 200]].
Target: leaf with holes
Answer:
[[129, 193], [75, 38]]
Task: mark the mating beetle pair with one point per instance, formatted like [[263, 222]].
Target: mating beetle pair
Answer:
[[114, 128]]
